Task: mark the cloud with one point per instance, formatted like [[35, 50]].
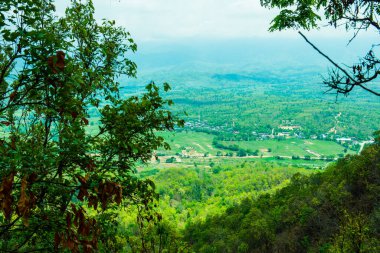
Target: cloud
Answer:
[[166, 20]]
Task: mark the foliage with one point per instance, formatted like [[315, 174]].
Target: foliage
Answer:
[[333, 211], [189, 194], [315, 113], [53, 173]]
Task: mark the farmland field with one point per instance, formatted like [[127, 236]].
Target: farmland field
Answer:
[[202, 143], [293, 146]]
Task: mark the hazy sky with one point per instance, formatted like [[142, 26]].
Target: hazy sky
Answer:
[[180, 19], [220, 31], [165, 19]]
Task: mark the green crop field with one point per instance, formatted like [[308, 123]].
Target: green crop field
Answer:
[[293, 146], [202, 143]]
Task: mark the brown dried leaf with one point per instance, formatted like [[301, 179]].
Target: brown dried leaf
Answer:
[[50, 62], [23, 203], [12, 96], [32, 178], [7, 123], [82, 180], [91, 165], [25, 221], [85, 121], [70, 244], [57, 240], [74, 115], [60, 64], [68, 220]]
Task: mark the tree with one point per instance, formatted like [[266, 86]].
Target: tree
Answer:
[[241, 153], [171, 160], [358, 15], [55, 169]]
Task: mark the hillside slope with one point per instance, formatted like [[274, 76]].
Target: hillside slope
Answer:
[[333, 211]]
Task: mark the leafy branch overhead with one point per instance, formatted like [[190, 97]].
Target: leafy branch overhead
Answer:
[[354, 15], [56, 175]]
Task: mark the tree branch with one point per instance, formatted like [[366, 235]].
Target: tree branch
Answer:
[[328, 58], [354, 81]]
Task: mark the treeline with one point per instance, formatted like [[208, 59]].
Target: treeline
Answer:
[[241, 152], [334, 211]]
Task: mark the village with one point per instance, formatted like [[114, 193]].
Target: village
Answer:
[[286, 130]]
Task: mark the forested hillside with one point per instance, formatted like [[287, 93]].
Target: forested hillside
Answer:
[[191, 193], [258, 206], [333, 211]]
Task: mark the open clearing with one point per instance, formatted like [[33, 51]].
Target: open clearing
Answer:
[[200, 142]]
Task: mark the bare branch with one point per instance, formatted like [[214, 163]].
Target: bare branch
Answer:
[[337, 80]]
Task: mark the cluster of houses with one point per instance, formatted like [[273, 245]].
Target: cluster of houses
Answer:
[[205, 126], [286, 130], [190, 152]]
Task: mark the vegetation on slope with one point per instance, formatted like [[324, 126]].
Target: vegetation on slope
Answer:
[[189, 194], [334, 211]]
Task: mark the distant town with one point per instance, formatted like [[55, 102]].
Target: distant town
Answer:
[[286, 130]]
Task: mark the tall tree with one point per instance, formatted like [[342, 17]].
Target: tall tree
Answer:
[[354, 15], [53, 168]]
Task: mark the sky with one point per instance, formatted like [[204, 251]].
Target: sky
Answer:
[[177, 19], [172, 19], [209, 28], [160, 20]]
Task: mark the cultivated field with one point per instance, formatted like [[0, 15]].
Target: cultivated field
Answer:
[[202, 143]]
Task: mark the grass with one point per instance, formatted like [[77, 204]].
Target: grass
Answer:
[[289, 147], [200, 142]]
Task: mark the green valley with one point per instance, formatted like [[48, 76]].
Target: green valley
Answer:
[[195, 130]]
